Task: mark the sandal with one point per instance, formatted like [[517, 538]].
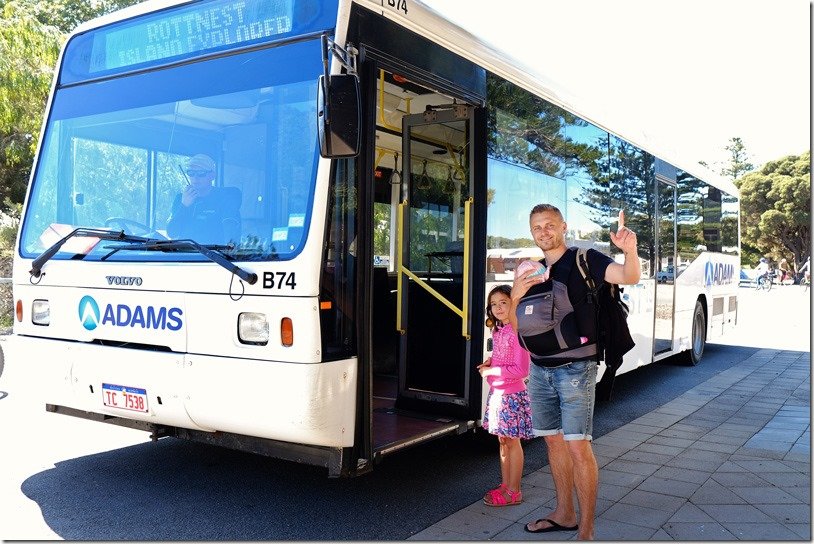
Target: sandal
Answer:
[[491, 492], [503, 496]]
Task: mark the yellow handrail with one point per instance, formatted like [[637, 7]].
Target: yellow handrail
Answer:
[[460, 312], [465, 312], [382, 121], [399, 267]]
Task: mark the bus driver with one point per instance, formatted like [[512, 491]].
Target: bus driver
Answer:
[[203, 212]]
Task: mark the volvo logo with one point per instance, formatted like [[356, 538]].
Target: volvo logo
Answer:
[[123, 280], [89, 312]]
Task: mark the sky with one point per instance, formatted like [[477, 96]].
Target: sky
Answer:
[[691, 74]]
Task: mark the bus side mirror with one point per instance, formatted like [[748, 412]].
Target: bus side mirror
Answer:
[[339, 116]]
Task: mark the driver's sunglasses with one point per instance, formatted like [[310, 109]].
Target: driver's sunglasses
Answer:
[[198, 173]]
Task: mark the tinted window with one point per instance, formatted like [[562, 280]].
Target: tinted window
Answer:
[[632, 188], [539, 153], [690, 216]]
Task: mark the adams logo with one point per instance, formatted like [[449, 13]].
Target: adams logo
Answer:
[[718, 273], [89, 312], [123, 315]]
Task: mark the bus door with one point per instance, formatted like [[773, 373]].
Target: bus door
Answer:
[[434, 261], [666, 267]]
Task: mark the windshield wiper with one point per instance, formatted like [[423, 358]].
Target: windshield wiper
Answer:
[[212, 252], [102, 234]]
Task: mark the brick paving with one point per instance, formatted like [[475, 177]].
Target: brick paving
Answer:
[[729, 459]]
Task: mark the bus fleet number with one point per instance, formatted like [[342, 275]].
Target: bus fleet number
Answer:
[[398, 5], [282, 280]]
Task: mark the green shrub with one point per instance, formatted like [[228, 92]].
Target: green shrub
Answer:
[[8, 235]]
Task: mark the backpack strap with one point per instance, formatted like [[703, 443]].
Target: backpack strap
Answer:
[[582, 265]]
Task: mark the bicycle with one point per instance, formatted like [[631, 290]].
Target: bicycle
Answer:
[[764, 281]]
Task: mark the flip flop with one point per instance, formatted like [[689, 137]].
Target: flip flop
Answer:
[[554, 527]]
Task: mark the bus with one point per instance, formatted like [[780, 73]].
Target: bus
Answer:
[[370, 168]]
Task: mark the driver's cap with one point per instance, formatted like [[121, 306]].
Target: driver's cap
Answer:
[[201, 162]]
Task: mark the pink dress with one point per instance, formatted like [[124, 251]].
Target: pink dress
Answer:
[[508, 411]]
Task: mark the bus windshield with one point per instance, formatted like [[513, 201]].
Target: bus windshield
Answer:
[[220, 151]]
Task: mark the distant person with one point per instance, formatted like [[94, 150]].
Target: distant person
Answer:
[[203, 212], [761, 269], [783, 269], [805, 270], [508, 410]]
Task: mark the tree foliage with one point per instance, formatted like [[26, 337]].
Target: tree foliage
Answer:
[[738, 160], [65, 15], [776, 208], [31, 34], [738, 164], [28, 52]]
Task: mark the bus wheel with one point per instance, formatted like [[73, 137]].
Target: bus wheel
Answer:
[[699, 335]]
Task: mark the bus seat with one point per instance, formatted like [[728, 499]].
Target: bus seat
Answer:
[[456, 262], [232, 196]]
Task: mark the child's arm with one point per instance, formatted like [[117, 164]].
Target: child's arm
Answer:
[[485, 368]]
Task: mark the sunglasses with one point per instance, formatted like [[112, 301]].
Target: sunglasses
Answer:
[[198, 173]]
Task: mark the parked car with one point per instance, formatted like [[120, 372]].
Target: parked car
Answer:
[[747, 277], [666, 275]]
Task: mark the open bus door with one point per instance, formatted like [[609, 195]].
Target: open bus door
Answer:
[[434, 276], [422, 315]]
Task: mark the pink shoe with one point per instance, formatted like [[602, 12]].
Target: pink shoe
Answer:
[[503, 496]]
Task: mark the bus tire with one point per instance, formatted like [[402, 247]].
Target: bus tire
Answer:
[[699, 335]]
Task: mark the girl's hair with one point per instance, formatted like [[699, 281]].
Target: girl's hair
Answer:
[[491, 321]]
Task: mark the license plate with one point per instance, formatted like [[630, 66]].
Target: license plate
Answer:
[[124, 397]]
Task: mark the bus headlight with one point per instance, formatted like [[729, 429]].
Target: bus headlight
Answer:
[[253, 328], [41, 312]]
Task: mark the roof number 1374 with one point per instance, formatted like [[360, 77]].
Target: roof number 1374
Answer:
[[398, 5], [278, 280]]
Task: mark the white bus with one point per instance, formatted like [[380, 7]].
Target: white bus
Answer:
[[383, 163]]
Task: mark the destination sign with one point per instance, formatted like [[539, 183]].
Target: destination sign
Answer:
[[189, 30]]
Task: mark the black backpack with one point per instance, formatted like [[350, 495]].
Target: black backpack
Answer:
[[613, 334]]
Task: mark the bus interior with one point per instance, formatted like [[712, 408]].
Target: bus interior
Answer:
[[421, 379]]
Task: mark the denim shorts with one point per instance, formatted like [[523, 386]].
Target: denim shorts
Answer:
[[562, 399]]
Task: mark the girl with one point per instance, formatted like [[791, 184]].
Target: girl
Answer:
[[508, 412]]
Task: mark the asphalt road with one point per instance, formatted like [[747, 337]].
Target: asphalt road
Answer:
[[76, 480]]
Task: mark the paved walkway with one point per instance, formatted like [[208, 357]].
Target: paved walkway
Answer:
[[728, 460]]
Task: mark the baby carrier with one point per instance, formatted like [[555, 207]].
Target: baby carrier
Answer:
[[556, 326]]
